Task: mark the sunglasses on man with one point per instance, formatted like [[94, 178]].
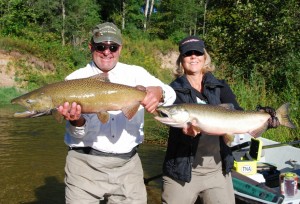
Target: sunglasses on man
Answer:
[[101, 47]]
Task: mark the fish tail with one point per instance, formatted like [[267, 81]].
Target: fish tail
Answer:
[[283, 116]]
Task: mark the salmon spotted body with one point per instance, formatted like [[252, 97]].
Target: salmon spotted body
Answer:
[[94, 96], [220, 119]]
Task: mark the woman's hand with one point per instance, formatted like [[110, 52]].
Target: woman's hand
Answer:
[[191, 129], [273, 121]]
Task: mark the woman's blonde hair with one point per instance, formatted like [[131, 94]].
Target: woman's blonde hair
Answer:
[[208, 66]]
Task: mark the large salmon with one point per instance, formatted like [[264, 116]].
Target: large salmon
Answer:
[[219, 120], [94, 96]]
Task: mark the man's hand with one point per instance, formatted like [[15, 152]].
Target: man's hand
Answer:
[[72, 113], [152, 98]]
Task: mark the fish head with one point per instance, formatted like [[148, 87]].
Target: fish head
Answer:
[[173, 115], [36, 103]]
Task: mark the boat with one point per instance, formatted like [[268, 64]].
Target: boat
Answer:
[[264, 185], [261, 188]]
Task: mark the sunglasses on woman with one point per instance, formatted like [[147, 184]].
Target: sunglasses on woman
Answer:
[[193, 52], [102, 47]]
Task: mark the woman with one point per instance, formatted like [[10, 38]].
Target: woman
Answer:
[[197, 165]]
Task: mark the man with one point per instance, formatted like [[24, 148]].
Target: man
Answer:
[[103, 160]]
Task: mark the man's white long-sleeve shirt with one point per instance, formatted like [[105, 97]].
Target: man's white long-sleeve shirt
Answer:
[[118, 135]]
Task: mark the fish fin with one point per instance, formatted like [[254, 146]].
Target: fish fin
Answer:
[[228, 139], [283, 116], [141, 88], [101, 77], [131, 110], [170, 122], [58, 117], [103, 117], [259, 131], [228, 106]]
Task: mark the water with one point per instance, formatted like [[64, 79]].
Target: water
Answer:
[[32, 159]]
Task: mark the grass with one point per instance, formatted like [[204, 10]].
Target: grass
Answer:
[[8, 93], [155, 132], [254, 93]]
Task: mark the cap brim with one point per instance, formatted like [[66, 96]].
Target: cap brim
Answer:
[[191, 46], [106, 38]]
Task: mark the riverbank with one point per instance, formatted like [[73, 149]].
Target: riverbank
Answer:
[[31, 72]]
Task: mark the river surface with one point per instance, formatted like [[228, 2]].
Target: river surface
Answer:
[[32, 159]]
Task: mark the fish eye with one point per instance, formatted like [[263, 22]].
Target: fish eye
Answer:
[[30, 101]]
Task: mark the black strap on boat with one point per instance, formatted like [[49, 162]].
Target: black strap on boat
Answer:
[[240, 146]]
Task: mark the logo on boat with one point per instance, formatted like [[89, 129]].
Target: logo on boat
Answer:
[[246, 169]]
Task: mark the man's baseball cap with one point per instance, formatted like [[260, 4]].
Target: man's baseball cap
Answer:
[[191, 43], [107, 32]]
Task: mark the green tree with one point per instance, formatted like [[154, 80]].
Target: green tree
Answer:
[[126, 14], [177, 19], [81, 16], [253, 37], [40, 19], [15, 15]]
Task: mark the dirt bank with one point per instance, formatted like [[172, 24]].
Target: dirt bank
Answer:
[[8, 69]]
